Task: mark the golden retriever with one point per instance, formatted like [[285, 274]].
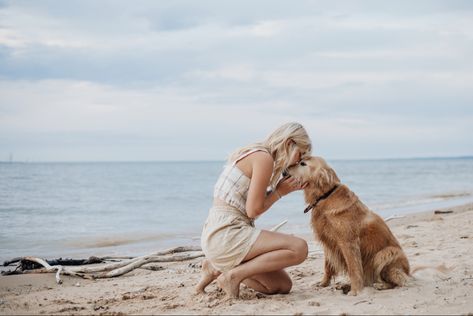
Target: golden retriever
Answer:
[[356, 241]]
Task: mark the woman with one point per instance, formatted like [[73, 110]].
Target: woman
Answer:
[[235, 250]]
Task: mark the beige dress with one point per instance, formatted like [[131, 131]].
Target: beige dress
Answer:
[[229, 233]]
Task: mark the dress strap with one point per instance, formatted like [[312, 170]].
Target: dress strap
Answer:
[[247, 154]]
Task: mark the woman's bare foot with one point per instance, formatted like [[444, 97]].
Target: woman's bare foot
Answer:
[[209, 273], [229, 284]]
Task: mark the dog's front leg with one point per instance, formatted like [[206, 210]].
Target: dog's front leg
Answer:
[[328, 273], [352, 255]]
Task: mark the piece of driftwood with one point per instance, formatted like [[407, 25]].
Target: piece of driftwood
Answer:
[[118, 265], [114, 258], [138, 263], [442, 212], [26, 265], [53, 262], [30, 265], [102, 271], [14, 260], [58, 269], [18, 271]]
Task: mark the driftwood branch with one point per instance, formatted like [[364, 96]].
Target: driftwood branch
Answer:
[[117, 265], [177, 249], [59, 269], [142, 261], [38, 265], [29, 265], [14, 260], [443, 212]]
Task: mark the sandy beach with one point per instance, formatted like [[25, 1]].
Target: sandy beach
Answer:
[[427, 238]]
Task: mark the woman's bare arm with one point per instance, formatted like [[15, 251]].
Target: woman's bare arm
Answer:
[[257, 201], [259, 167]]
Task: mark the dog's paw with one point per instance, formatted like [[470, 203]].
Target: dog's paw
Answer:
[[382, 286], [355, 291], [352, 293], [323, 283], [344, 287]]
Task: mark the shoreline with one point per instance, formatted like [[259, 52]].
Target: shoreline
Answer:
[[140, 243], [427, 239]]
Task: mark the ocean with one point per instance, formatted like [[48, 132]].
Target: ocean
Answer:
[[76, 210]]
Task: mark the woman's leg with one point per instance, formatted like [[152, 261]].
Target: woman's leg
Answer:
[[271, 252], [277, 282], [208, 274]]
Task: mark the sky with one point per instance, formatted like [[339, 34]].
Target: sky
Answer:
[[193, 80]]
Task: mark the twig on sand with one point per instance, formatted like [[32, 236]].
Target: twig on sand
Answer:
[[276, 228], [393, 217]]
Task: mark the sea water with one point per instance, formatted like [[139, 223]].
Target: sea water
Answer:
[[77, 210]]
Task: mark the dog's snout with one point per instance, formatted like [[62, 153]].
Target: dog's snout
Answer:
[[285, 173]]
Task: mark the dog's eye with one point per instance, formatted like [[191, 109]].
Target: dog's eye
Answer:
[[303, 163]]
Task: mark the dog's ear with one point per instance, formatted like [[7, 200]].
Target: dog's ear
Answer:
[[326, 178]]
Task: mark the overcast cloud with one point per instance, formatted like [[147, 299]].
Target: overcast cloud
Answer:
[[192, 80]]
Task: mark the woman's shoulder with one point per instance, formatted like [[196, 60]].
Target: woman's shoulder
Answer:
[[260, 153], [258, 157], [263, 154], [261, 159], [257, 151]]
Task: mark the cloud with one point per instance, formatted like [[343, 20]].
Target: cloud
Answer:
[[44, 41], [168, 75]]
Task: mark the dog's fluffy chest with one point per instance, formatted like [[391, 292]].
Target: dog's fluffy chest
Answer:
[[339, 225], [326, 227]]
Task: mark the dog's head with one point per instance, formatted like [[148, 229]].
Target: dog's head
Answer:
[[318, 175]]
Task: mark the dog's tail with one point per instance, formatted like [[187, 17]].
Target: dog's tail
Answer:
[[442, 268], [393, 260], [385, 258], [430, 272]]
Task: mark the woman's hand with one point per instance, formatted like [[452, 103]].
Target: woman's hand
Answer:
[[288, 185]]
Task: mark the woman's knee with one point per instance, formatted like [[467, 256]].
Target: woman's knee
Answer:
[[286, 286], [283, 286], [300, 248]]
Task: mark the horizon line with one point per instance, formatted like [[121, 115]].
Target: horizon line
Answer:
[[222, 160]]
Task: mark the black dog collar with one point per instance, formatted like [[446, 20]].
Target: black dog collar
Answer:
[[326, 195]]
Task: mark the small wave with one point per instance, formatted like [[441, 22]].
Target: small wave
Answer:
[[104, 242], [416, 203], [426, 204], [413, 201], [404, 203], [451, 195]]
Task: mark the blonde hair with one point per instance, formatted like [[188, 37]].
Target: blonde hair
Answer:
[[278, 146]]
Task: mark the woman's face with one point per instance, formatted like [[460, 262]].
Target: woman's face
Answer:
[[295, 156]]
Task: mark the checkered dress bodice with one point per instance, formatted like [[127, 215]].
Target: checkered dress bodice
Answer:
[[232, 185]]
